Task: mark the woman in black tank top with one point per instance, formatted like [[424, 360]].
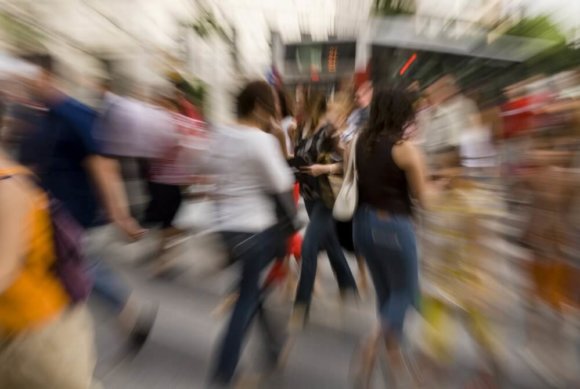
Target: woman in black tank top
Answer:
[[389, 170]]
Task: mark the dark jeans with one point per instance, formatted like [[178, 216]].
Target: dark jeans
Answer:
[[389, 247], [164, 203], [321, 235], [255, 252]]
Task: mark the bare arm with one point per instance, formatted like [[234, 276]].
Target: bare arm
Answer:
[[106, 174], [279, 135], [410, 159], [320, 169], [14, 208]]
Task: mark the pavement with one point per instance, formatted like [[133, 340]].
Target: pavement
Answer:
[[185, 334]]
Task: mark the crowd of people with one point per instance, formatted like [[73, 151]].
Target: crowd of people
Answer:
[[429, 171]]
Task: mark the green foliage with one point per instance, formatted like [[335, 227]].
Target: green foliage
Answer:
[[540, 27], [196, 93], [194, 89], [206, 25], [20, 34], [552, 60], [393, 7]]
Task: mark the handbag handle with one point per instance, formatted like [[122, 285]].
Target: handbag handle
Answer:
[[351, 175]]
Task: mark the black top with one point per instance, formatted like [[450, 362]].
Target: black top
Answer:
[[322, 147], [381, 183]]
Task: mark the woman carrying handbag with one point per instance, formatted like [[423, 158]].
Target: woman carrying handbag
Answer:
[[319, 156], [384, 172]]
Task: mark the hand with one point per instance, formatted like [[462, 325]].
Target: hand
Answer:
[[316, 170], [440, 184], [130, 228]]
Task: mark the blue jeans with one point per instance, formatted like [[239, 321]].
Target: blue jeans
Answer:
[[321, 235], [108, 286], [389, 247], [255, 252]]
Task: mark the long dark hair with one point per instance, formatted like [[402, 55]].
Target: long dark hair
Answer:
[[391, 111]]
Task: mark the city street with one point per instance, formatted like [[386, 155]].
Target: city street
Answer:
[[185, 333]]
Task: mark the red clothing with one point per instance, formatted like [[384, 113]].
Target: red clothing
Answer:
[[189, 109], [279, 270], [520, 114], [185, 136], [517, 117]]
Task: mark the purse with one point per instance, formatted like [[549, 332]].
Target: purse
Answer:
[[347, 199]]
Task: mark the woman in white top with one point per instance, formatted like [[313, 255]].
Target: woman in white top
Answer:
[[249, 169]]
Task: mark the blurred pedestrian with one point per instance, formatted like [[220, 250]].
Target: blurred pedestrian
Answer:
[[391, 172], [553, 187], [359, 116], [356, 112], [318, 156], [249, 169], [452, 113], [46, 341], [74, 169], [169, 173]]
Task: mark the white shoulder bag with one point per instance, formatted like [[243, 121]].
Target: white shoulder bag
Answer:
[[347, 199]]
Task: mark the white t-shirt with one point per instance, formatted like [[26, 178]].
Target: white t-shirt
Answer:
[[248, 167], [447, 123], [476, 148], [131, 128]]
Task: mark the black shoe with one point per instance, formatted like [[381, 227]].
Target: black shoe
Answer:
[[141, 332]]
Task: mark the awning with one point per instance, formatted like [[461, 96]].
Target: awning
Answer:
[[404, 32]]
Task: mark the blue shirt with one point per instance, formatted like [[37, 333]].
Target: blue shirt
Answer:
[[67, 139], [356, 120], [31, 120]]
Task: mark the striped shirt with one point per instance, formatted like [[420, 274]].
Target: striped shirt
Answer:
[[176, 164]]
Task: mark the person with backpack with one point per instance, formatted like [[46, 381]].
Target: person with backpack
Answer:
[[46, 334], [74, 169]]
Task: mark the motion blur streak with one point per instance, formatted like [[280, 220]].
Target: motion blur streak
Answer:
[[199, 148]]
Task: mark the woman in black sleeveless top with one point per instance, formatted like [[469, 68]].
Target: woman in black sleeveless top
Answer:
[[390, 170]]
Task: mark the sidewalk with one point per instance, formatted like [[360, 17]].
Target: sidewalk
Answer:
[[186, 329]]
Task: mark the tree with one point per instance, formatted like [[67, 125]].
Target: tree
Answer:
[[19, 34], [556, 58], [539, 27], [393, 7]]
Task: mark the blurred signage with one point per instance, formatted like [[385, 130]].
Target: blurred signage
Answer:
[[332, 57], [319, 59]]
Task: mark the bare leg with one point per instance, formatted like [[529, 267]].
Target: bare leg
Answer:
[[366, 360], [363, 279]]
